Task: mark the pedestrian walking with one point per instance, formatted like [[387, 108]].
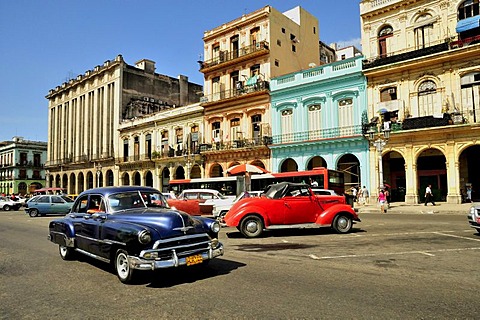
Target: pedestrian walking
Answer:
[[469, 193], [365, 195], [382, 199], [429, 195]]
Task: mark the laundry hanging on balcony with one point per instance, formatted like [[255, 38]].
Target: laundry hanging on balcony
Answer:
[[468, 24], [251, 81]]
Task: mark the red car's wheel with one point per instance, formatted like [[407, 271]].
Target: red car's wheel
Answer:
[[342, 223], [251, 226]]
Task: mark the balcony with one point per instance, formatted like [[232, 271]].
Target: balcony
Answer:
[[237, 92], [317, 135], [29, 164], [227, 57], [399, 57], [238, 144]]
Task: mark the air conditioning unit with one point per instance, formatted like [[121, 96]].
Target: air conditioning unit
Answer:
[[392, 90]]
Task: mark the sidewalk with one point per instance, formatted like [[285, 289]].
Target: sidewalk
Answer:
[[401, 207]]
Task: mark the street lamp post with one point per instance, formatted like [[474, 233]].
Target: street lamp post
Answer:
[[99, 173], [379, 140]]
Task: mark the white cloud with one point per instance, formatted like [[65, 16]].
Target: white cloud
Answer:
[[352, 42]]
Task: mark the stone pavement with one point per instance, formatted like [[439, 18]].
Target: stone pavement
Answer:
[[401, 207]]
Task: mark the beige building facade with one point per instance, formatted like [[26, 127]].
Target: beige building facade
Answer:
[[85, 115], [240, 58], [423, 72]]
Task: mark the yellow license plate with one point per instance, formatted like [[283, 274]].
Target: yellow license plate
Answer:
[[196, 259]]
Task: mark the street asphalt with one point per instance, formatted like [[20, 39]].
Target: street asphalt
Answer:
[[401, 207]]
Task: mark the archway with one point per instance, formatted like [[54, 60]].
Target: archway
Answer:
[[216, 170], [350, 166], [109, 176], [148, 179], [165, 179], [57, 181], [196, 172], [316, 162], [180, 173], [394, 175], [288, 165], [258, 163], [470, 171], [137, 181], [431, 169], [65, 181], [72, 182], [34, 186], [89, 180], [80, 183], [126, 179]]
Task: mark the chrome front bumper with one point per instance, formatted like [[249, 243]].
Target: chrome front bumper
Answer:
[[151, 264]]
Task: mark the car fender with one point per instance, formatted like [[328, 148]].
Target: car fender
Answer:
[[62, 232], [327, 216], [234, 219]]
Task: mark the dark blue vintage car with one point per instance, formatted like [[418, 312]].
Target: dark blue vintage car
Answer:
[[133, 228]]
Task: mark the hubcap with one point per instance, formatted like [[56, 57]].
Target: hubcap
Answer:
[[63, 251], [252, 226], [342, 223], [122, 266]]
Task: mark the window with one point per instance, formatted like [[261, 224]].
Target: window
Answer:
[[279, 42], [292, 37], [315, 121], [345, 116], [424, 33], [256, 127], [164, 147], [235, 129], [125, 150], [216, 52], [287, 125], [294, 49], [179, 140], [254, 34], [388, 94], [216, 131], [314, 30], [148, 145], [216, 88], [136, 148], [343, 57], [277, 63], [57, 199], [234, 46], [385, 33], [427, 98], [469, 8], [283, 30]]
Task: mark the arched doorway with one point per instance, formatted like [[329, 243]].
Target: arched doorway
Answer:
[[196, 172], [57, 181], [165, 179], [72, 183], [80, 183], [258, 163], [126, 179], [34, 186], [470, 171], [316, 162], [431, 169], [109, 176], [89, 180], [216, 170], [394, 175], [137, 181], [180, 173], [65, 181], [149, 179], [350, 166], [288, 165]]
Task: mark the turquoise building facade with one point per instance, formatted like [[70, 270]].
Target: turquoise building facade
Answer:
[[317, 116]]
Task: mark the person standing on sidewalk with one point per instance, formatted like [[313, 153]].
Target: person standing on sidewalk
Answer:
[[365, 195], [429, 195], [382, 199]]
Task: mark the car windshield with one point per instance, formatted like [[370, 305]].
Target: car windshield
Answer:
[[136, 199]]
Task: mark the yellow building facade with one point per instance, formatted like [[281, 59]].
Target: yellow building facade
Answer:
[[423, 72]]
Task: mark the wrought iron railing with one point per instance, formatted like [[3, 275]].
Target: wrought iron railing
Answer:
[[235, 144], [237, 92], [314, 135], [225, 56]]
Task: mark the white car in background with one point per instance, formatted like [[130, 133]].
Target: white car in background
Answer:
[[324, 192], [8, 204], [221, 209]]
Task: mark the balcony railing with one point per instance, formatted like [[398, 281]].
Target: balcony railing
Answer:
[[314, 135], [399, 57], [235, 144], [225, 56], [232, 93]]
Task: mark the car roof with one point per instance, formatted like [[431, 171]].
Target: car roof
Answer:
[[111, 190], [201, 190]]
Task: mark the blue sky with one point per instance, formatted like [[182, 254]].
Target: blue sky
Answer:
[[45, 43]]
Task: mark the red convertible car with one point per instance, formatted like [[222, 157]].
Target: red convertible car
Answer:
[[290, 205]]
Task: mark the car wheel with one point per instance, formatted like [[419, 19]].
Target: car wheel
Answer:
[[65, 252], [342, 223], [122, 267], [33, 213], [251, 226], [6, 207]]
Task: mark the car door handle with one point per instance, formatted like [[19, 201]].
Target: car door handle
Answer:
[[286, 204]]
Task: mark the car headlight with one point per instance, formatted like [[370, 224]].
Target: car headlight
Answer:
[[215, 227], [144, 237], [472, 210]]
